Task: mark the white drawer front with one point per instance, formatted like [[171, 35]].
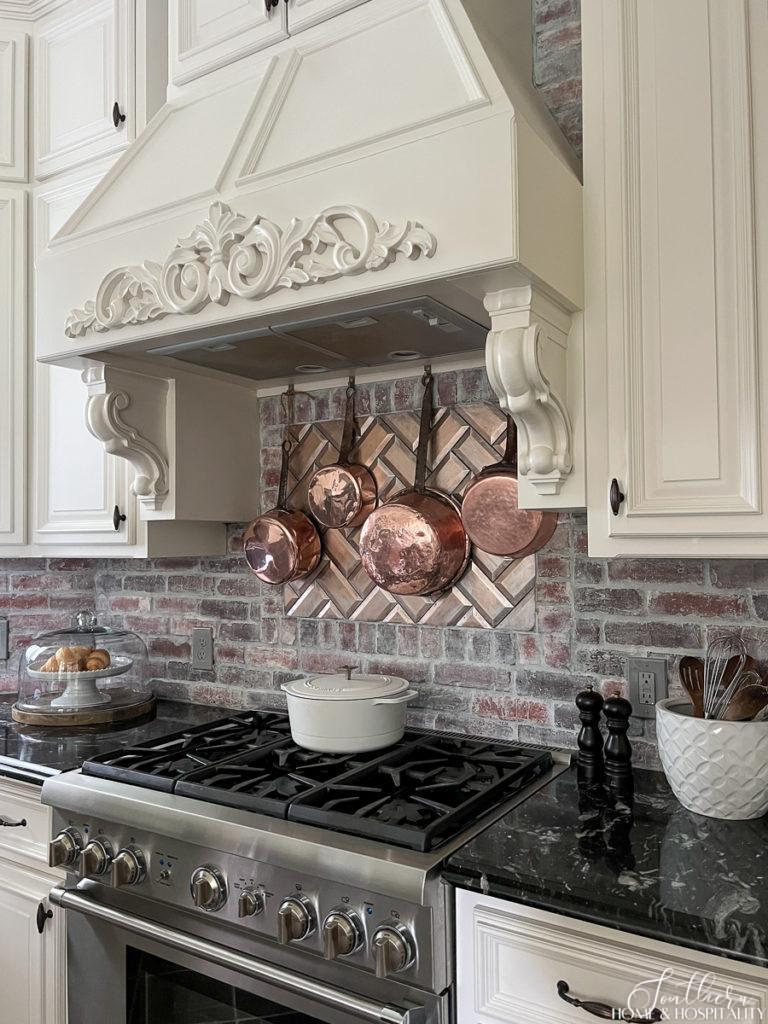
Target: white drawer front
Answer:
[[511, 958], [26, 843]]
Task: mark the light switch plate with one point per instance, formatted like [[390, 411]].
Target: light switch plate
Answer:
[[202, 647], [647, 679]]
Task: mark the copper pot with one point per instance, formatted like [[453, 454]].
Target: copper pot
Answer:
[[343, 494], [490, 514], [416, 544], [283, 544]]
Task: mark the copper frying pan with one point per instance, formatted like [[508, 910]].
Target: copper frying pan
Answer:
[[283, 544], [490, 514], [415, 544], [343, 494]]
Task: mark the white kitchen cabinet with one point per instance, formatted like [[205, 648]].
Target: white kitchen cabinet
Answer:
[[13, 365], [676, 230], [77, 485], [511, 958], [84, 64], [208, 34], [32, 962], [305, 13], [13, 105]]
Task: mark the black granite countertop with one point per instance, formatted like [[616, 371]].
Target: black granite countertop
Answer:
[[647, 866], [32, 752]]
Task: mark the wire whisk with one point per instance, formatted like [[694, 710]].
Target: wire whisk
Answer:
[[720, 679]]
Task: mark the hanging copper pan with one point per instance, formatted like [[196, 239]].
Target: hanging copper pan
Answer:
[[343, 494], [415, 544], [283, 544], [490, 514]]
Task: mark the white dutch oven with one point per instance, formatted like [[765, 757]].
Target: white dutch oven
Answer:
[[340, 715]]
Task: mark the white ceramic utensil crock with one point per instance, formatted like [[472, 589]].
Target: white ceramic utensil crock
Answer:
[[719, 769], [340, 714]]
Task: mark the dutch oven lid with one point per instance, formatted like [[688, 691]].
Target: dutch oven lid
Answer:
[[338, 687]]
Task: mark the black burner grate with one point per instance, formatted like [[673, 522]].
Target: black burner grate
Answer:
[[420, 793]]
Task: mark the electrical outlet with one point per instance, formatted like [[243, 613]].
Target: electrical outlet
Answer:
[[647, 684], [4, 652], [202, 647]]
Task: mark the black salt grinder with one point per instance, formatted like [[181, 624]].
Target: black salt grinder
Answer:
[[590, 739], [618, 750]]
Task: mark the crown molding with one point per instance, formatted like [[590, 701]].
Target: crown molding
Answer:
[[29, 10]]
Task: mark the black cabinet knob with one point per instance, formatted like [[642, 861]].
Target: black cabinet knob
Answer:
[[269, 4], [117, 517], [616, 496], [117, 115]]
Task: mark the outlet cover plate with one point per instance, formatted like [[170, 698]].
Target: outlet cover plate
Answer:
[[4, 650], [647, 678], [202, 647]]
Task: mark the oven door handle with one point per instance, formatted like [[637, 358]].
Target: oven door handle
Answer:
[[366, 1009]]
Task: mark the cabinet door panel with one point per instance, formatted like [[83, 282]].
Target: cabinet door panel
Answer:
[[305, 13], [77, 484], [208, 34], [13, 371], [673, 340], [85, 57], [13, 106]]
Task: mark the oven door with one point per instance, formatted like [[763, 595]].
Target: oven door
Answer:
[[127, 969]]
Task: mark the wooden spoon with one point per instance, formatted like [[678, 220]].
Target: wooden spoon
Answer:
[[692, 677], [747, 702]]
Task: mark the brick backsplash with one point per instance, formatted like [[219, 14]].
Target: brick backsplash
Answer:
[[591, 614], [557, 63]]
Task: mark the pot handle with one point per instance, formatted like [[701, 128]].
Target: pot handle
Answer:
[[348, 432], [402, 698], [425, 429], [283, 485]]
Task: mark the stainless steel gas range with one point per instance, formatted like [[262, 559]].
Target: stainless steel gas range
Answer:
[[224, 874]]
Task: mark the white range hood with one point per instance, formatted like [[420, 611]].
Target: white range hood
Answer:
[[384, 182]]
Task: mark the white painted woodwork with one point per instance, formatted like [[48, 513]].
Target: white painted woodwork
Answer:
[[76, 483], [306, 13], [13, 105], [33, 966], [676, 212], [209, 34], [13, 365], [84, 56], [510, 958]]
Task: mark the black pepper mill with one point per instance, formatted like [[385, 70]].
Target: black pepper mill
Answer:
[[618, 750], [590, 739]]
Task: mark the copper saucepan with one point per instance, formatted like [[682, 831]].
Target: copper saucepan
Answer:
[[415, 544], [283, 544], [343, 494], [490, 514]]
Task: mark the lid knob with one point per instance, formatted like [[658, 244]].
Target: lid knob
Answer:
[[85, 621]]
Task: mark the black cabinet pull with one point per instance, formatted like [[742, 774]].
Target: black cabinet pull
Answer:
[[117, 517], [602, 1010], [616, 496], [269, 4], [117, 115], [8, 823], [42, 916]]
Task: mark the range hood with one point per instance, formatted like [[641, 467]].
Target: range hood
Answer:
[[379, 188]]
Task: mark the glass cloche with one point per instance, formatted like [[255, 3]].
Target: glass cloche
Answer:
[[83, 675]]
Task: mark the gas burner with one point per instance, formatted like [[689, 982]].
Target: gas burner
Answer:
[[160, 764]]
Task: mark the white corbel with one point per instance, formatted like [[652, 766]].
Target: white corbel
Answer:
[[526, 363], [128, 413]]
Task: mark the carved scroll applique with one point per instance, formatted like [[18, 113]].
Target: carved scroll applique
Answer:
[[229, 254]]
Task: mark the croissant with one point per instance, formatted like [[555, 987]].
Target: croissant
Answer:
[[97, 660], [81, 653], [51, 665], [67, 659]]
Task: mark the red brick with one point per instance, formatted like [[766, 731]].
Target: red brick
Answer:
[[228, 610], [553, 593], [607, 599], [510, 709], [672, 635], [461, 674], [656, 570], [162, 647], [699, 604], [550, 566], [270, 657]]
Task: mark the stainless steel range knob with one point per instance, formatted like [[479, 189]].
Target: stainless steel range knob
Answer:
[[64, 850], [393, 949], [295, 919], [208, 888], [95, 858], [128, 867], [249, 903], [342, 934]]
